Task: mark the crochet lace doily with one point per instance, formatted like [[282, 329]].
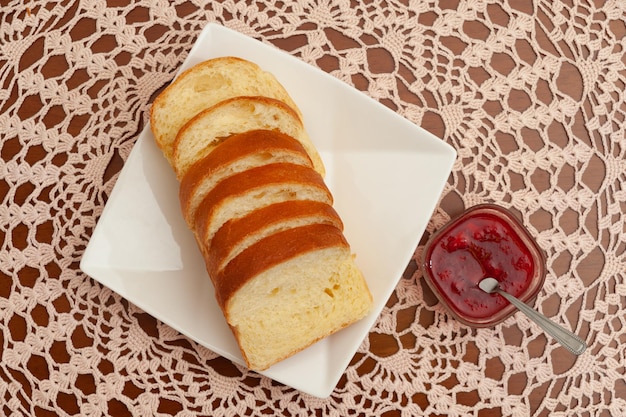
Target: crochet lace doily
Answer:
[[530, 93]]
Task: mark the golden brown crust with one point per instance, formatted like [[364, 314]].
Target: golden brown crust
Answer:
[[254, 178], [162, 97], [227, 102], [235, 230], [272, 251], [234, 148], [166, 144]]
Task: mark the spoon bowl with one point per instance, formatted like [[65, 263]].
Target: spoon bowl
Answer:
[[566, 338]]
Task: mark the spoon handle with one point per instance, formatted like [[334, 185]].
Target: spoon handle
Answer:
[[566, 338]]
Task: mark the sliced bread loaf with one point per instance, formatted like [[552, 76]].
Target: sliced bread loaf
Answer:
[[242, 193], [252, 192], [289, 290], [240, 152], [205, 85], [200, 135], [236, 235]]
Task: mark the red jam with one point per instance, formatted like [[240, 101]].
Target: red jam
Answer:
[[486, 241]]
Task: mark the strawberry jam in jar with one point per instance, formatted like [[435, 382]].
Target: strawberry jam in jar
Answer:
[[485, 241]]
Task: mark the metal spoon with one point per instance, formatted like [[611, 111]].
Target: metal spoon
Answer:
[[566, 338]]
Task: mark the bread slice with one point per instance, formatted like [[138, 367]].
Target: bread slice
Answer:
[[205, 85], [200, 135], [236, 235], [240, 152], [242, 193], [289, 290]]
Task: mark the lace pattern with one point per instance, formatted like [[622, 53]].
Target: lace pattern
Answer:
[[531, 94]]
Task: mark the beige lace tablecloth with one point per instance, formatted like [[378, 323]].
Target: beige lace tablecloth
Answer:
[[530, 93]]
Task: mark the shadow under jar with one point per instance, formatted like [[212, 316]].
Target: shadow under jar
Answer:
[[484, 241]]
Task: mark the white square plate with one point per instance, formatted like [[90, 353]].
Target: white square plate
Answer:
[[386, 175]]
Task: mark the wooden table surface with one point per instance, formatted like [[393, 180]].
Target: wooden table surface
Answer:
[[530, 94]]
